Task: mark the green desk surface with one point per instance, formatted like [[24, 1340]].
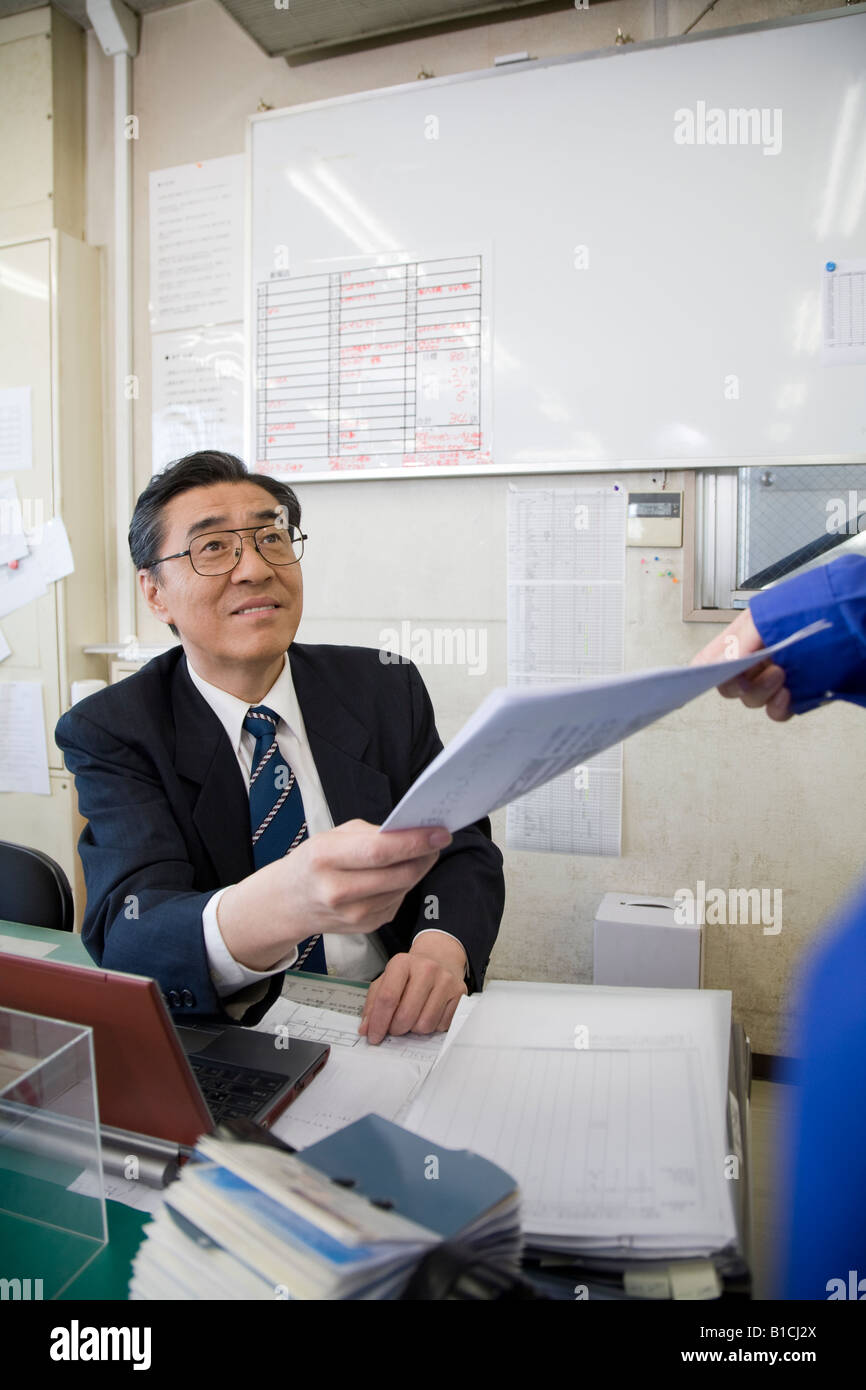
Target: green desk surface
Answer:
[[33, 1250], [66, 946]]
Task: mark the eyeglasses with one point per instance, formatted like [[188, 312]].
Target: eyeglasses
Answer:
[[218, 552]]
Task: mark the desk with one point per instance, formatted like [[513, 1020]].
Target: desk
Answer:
[[107, 1276]]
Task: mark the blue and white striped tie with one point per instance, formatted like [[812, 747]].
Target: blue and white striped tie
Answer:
[[277, 817]]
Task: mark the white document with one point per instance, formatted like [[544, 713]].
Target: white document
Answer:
[[606, 1105], [23, 946], [410, 385], [117, 1189], [301, 987], [843, 304], [196, 244], [53, 553], [5, 649], [13, 543], [16, 428], [519, 739], [23, 752], [356, 1079], [20, 585], [566, 623], [197, 392]]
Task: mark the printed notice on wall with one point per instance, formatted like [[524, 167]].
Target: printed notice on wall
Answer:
[[566, 623], [16, 430], [23, 751], [196, 244], [197, 393], [366, 367], [843, 305]]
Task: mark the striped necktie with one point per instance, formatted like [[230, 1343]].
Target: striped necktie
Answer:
[[277, 816]]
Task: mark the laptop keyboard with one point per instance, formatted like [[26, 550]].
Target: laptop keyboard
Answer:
[[233, 1093]]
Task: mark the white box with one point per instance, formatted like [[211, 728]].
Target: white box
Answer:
[[637, 941]]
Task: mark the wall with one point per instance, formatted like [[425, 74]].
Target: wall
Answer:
[[710, 793]]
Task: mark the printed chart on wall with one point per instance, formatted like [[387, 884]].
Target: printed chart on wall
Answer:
[[196, 306], [380, 365], [566, 623]]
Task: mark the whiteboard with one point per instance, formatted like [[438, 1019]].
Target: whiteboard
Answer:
[[563, 265]]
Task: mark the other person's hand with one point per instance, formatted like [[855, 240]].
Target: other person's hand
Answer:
[[764, 685]]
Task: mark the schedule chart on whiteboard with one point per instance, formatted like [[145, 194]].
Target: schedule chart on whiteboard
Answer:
[[373, 366]]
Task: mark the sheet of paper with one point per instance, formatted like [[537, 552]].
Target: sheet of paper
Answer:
[[301, 987], [409, 385], [606, 1105], [198, 392], [566, 623], [23, 752], [16, 428], [20, 585], [117, 1189], [843, 302], [196, 244], [357, 1078], [519, 739], [13, 543], [53, 553], [21, 946], [5, 649]]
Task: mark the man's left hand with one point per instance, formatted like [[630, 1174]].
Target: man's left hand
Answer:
[[418, 990]]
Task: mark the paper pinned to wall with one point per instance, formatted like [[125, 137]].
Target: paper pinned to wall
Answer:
[[566, 623], [13, 544], [23, 751], [5, 649], [53, 554], [21, 585], [16, 428], [196, 244], [843, 303], [197, 392]]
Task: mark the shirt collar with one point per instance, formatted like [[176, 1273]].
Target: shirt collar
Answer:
[[231, 711]]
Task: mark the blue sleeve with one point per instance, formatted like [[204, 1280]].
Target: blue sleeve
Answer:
[[832, 664], [823, 1209]]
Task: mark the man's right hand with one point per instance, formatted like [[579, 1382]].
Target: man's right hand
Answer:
[[350, 879]]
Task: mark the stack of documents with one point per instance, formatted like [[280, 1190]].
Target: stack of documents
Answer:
[[350, 1218], [607, 1105]]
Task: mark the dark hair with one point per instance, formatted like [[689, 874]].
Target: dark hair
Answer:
[[202, 469]]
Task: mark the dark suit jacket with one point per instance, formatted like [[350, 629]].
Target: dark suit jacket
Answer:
[[168, 813]]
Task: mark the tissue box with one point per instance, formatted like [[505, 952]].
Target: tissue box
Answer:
[[637, 941]]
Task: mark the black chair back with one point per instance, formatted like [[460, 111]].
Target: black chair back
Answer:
[[34, 889]]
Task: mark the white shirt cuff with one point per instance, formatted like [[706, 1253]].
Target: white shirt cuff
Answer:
[[424, 930], [229, 975]]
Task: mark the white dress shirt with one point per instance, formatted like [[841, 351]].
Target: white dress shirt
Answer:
[[351, 955]]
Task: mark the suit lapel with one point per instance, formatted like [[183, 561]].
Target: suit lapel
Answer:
[[337, 740], [220, 809], [204, 756]]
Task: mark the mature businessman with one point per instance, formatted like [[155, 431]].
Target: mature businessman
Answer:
[[232, 787]]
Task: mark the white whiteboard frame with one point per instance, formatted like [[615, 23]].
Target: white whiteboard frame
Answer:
[[634, 465]]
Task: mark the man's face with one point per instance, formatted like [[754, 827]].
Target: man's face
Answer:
[[211, 612]]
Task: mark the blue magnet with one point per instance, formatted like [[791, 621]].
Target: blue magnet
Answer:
[[831, 265]]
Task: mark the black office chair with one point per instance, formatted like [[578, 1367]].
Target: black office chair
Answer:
[[34, 889]]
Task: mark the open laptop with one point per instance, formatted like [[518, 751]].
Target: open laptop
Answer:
[[155, 1078]]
